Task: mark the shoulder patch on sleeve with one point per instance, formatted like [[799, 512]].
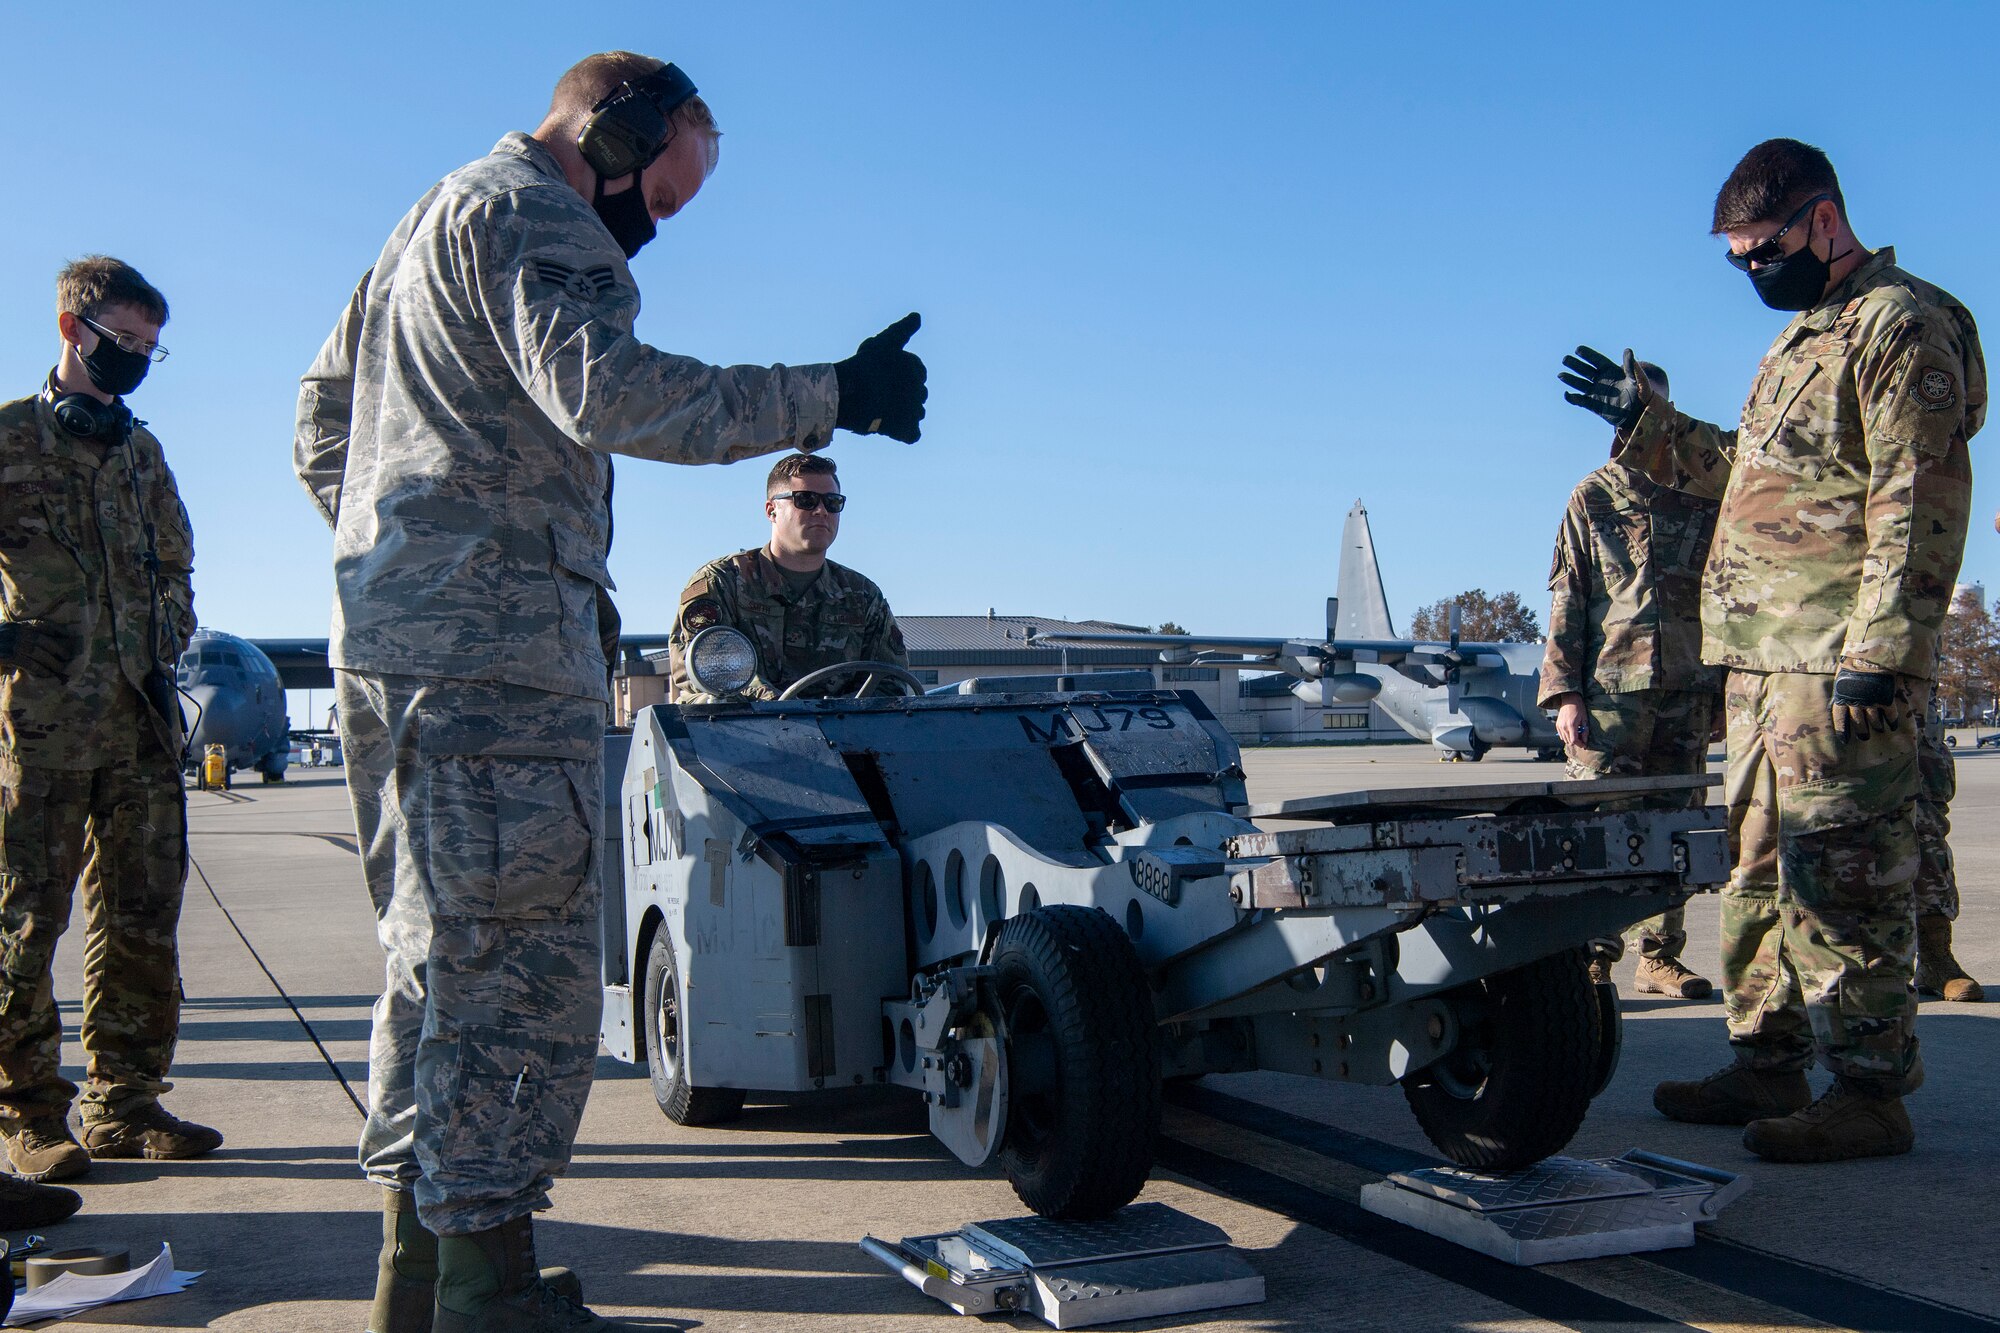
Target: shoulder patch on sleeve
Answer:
[[699, 614], [587, 284], [1935, 389]]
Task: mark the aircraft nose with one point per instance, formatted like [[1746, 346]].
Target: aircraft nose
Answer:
[[214, 714]]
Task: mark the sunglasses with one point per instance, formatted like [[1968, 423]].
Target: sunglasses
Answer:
[[1770, 252], [807, 501]]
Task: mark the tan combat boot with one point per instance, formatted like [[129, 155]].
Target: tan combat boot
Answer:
[[406, 1273], [1600, 971], [44, 1149], [1844, 1123], [1734, 1096], [487, 1283], [147, 1130], [1938, 973], [1668, 976]]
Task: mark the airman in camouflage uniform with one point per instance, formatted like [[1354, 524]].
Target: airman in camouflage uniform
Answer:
[[1845, 494], [801, 619], [1936, 892], [1623, 666], [95, 564], [454, 431]]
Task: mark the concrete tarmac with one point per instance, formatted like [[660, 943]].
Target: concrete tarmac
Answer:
[[753, 1225]]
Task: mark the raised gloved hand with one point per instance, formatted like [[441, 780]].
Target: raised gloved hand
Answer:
[[37, 645], [1616, 393], [1864, 702], [882, 385]]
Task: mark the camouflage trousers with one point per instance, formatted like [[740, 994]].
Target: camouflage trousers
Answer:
[[120, 828], [1937, 784], [477, 806], [1818, 933], [1647, 733]]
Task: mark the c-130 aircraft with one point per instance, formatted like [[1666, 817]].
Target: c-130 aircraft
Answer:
[[1465, 698]]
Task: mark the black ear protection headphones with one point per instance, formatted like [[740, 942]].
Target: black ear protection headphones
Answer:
[[86, 418], [632, 125]]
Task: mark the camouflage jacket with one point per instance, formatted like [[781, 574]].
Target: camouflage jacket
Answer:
[[1626, 585], [453, 429], [1845, 491], [74, 523], [839, 617]]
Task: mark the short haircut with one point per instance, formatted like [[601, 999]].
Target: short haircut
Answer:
[[86, 286], [1771, 182], [593, 78], [793, 466]]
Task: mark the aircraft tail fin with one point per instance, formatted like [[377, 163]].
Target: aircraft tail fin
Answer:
[[1364, 607]]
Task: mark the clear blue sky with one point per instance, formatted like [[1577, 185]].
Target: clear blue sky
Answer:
[[1193, 278]]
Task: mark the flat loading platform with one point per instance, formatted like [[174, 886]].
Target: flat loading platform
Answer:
[[755, 1226]]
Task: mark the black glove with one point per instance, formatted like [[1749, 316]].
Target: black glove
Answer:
[[882, 386], [1863, 702], [36, 645], [1616, 393]]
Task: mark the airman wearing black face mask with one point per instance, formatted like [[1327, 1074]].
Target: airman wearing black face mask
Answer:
[[456, 432], [97, 558], [1846, 494]]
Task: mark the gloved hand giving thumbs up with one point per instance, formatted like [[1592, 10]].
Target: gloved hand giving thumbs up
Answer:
[[882, 385]]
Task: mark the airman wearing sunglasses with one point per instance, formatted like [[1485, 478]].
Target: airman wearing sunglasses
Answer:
[[1845, 499], [801, 609]]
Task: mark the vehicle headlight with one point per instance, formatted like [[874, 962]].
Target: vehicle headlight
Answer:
[[721, 660]]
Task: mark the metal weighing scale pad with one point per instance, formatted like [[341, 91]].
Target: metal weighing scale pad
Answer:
[[1144, 1260], [1561, 1208]]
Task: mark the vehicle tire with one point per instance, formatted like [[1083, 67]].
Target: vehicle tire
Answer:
[[684, 1103], [1951, 742], [1530, 1055], [1083, 1053]]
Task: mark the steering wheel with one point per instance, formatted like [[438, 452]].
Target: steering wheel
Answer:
[[871, 671]]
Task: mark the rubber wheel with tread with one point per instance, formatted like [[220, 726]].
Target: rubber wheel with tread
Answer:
[[1083, 1062], [1529, 1058], [684, 1103]]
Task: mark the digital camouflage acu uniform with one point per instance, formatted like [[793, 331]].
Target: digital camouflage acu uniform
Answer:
[[839, 617], [1844, 506], [89, 771], [453, 430], [1625, 633]]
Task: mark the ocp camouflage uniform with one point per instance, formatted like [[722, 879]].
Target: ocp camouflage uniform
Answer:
[[1845, 496], [839, 617], [1625, 633], [453, 430], [89, 770], [1937, 784]]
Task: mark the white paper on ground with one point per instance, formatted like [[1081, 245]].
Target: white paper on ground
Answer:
[[73, 1293]]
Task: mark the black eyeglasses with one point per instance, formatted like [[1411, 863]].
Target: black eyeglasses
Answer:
[[1769, 252], [811, 500], [127, 343]]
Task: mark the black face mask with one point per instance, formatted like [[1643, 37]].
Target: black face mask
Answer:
[[1795, 282], [626, 217], [113, 369]]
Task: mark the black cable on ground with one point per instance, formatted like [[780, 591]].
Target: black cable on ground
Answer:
[[278, 986]]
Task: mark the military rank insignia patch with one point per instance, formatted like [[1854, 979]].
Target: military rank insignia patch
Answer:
[[699, 614], [584, 284], [1936, 389]]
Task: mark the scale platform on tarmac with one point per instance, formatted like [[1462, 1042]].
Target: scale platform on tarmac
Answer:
[[1561, 1208], [1143, 1261]]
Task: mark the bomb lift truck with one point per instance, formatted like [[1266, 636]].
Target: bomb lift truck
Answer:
[[1033, 900]]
